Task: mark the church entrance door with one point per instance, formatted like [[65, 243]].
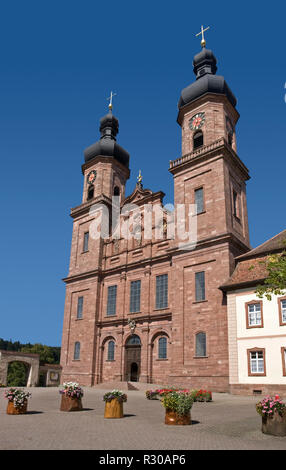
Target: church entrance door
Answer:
[[134, 372], [132, 358]]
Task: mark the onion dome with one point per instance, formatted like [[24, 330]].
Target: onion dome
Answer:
[[107, 145], [207, 81]]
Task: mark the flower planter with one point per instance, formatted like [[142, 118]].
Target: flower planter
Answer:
[[12, 410], [70, 404], [113, 409], [178, 406], [173, 418], [274, 425]]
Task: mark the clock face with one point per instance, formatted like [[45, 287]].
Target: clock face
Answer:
[[197, 121], [91, 177]]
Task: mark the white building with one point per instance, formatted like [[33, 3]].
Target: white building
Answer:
[[256, 327]]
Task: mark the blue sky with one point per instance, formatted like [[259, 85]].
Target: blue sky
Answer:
[[59, 62]]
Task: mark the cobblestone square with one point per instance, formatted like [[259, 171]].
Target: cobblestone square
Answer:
[[228, 423]]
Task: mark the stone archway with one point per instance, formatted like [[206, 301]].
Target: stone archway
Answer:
[[32, 360]]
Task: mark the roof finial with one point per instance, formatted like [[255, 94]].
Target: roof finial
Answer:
[[139, 179], [110, 100], [203, 42]]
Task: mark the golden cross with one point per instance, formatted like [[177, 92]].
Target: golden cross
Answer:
[[203, 42], [110, 100]]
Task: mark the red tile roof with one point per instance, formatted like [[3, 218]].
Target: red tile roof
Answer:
[[251, 268]]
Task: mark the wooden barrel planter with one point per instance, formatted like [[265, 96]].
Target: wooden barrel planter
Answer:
[[70, 404], [173, 418], [12, 410], [113, 409], [276, 425]]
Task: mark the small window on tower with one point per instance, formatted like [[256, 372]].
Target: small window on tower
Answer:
[[90, 193], [198, 139], [85, 241], [199, 200], [236, 204], [116, 191]]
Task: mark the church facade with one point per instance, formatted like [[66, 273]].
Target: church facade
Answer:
[[147, 308]]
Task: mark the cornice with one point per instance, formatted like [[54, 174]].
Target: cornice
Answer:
[[205, 98], [142, 196], [241, 285], [137, 317], [219, 148], [226, 237], [166, 256], [104, 159], [85, 207], [82, 276]]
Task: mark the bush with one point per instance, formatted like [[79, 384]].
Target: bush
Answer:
[[72, 390], [115, 394], [152, 394], [180, 402], [201, 395], [17, 396], [268, 405]]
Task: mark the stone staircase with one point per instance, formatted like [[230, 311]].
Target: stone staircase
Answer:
[[125, 386]]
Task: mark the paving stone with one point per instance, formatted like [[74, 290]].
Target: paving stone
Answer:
[[228, 423]]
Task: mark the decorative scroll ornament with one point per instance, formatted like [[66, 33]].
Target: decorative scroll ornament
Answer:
[[132, 325]]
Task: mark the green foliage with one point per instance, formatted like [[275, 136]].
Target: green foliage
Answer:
[[275, 283], [269, 405], [18, 371], [180, 402], [17, 374], [48, 354], [201, 395], [120, 396]]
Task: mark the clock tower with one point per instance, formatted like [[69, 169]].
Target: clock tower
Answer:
[[105, 171], [208, 117], [211, 175]]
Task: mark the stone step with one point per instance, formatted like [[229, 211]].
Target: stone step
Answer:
[[112, 386], [135, 386]]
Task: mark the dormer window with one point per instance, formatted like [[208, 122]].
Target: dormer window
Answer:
[[198, 140]]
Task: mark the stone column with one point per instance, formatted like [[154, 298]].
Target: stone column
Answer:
[[144, 354], [3, 370]]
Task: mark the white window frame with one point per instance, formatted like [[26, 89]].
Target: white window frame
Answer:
[[255, 317]]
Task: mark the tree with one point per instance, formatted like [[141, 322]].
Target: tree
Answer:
[[275, 282], [17, 374], [47, 354]]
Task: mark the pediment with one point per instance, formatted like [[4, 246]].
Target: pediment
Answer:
[[138, 194]]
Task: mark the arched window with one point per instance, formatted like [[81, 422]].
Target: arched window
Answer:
[[90, 192], [116, 191], [110, 352], [76, 354], [201, 347], [162, 348], [133, 340], [198, 139]]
